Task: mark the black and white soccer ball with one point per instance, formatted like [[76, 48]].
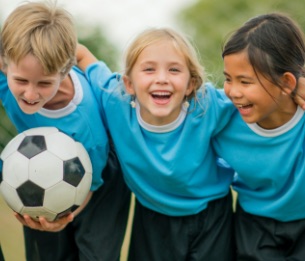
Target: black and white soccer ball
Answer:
[[45, 173]]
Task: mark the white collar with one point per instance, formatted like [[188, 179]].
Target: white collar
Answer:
[[78, 96], [280, 130], [164, 128]]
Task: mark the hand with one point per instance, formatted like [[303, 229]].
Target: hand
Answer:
[[299, 94], [44, 225]]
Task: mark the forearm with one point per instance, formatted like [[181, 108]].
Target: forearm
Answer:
[[84, 57]]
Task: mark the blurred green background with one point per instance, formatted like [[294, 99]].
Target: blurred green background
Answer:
[[206, 22]]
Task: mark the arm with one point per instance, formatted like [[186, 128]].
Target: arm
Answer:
[[84, 57]]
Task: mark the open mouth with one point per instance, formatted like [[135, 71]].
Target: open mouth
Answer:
[[30, 102], [161, 97], [244, 106]]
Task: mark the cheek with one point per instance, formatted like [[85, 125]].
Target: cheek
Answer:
[[50, 93], [12, 86]]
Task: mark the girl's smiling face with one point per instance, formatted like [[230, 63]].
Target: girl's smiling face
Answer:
[[160, 79], [31, 88], [257, 99]]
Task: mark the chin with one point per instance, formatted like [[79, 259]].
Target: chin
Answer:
[[29, 110]]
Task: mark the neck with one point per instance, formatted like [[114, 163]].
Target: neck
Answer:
[[283, 115], [63, 96]]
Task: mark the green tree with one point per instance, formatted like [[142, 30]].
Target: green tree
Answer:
[[208, 23], [97, 43]]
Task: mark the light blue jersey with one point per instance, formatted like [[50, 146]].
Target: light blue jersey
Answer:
[[171, 169], [80, 119], [270, 166]]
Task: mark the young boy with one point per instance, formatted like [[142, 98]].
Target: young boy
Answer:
[[41, 88]]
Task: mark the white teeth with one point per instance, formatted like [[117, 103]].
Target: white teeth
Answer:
[[161, 93], [241, 106]]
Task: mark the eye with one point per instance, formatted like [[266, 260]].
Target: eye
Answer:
[[245, 82], [227, 79], [148, 69], [174, 69], [45, 84], [21, 81]]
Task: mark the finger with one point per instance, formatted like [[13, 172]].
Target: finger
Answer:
[[20, 218], [32, 223], [300, 101], [56, 225]]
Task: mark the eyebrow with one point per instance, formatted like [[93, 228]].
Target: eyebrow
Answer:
[[238, 76]]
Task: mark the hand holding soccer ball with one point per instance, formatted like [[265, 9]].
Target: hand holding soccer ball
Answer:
[[45, 173]]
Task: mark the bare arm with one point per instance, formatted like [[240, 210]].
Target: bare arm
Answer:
[[84, 57]]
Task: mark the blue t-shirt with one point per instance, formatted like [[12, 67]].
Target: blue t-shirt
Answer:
[[80, 119], [269, 165], [171, 169]]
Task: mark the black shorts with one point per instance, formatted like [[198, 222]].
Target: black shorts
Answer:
[[1, 255], [97, 233], [207, 235], [266, 239]]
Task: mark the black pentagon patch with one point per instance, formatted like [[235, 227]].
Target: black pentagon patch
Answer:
[[73, 171], [32, 145], [31, 194]]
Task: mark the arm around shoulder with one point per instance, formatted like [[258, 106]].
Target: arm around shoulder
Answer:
[[84, 57]]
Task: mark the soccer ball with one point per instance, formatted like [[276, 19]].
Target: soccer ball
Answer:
[[45, 173]]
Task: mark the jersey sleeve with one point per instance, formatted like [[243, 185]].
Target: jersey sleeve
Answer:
[[3, 85], [101, 78], [103, 83], [222, 107]]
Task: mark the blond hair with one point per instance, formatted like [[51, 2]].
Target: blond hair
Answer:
[[181, 43], [43, 30]]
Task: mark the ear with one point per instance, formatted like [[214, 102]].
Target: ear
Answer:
[[191, 86], [289, 83], [128, 85]]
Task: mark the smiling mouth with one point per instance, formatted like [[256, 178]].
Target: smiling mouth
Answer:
[[244, 106], [161, 95], [30, 102]]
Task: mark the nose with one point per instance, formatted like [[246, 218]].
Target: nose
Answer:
[[233, 91], [30, 93], [162, 77]]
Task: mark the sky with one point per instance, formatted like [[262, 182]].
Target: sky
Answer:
[[121, 20]]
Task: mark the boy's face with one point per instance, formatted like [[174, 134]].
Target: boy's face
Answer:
[[31, 88]]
